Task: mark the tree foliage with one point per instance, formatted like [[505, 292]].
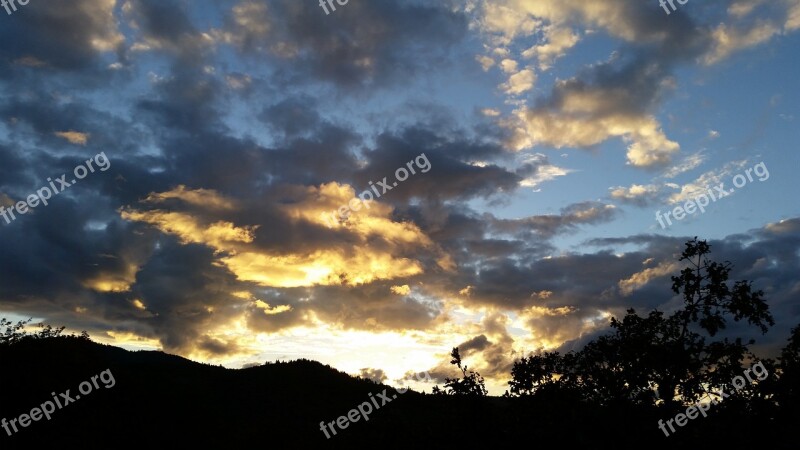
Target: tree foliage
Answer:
[[470, 384], [659, 358], [13, 333], [788, 386]]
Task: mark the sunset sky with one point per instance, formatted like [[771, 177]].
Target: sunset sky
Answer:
[[554, 129]]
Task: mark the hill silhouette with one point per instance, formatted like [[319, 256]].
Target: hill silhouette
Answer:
[[161, 400]]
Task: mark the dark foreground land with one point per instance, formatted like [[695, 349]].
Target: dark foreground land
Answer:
[[160, 400]]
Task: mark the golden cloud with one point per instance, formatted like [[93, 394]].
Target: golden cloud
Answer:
[[113, 282], [401, 290], [369, 253], [640, 279], [74, 137]]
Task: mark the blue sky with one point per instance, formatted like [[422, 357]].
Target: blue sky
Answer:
[[555, 129]]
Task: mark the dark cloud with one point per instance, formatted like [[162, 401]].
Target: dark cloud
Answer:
[[58, 36], [451, 174], [377, 375], [477, 343], [216, 347], [293, 116], [363, 43], [584, 213], [165, 25], [186, 295], [372, 307]]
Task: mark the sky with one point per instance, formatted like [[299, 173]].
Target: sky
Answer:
[[503, 169]]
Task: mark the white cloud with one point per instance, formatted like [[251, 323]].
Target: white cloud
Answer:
[[689, 163], [742, 8], [485, 62], [520, 82], [543, 172], [793, 15], [557, 41], [637, 194], [649, 146], [707, 181], [509, 66], [727, 40], [582, 111]]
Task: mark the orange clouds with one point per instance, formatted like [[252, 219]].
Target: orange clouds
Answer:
[[368, 254]]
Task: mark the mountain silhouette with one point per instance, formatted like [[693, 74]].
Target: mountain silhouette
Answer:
[[159, 400]]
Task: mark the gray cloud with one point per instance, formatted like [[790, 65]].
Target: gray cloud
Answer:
[[365, 43]]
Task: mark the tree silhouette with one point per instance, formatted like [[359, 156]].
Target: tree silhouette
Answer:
[[658, 358], [471, 384], [788, 386], [15, 332], [539, 372]]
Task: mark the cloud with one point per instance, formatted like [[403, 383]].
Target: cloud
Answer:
[[69, 35], [74, 137], [727, 40], [239, 250], [688, 163], [507, 21], [509, 66], [793, 15], [401, 290], [485, 62], [557, 41], [583, 113], [549, 225], [637, 194], [537, 169], [660, 192], [200, 198], [706, 181], [640, 279], [520, 82], [376, 375], [742, 8], [375, 43], [615, 99], [231, 136], [477, 343]]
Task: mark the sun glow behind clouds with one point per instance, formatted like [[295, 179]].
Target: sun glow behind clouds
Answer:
[[363, 260]]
